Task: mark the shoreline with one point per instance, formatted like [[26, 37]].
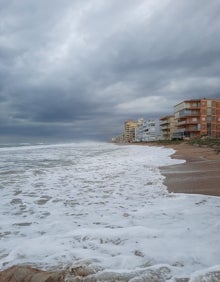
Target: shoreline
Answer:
[[200, 174]]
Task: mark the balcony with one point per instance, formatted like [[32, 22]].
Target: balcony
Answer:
[[190, 128], [193, 105], [188, 113], [187, 122], [165, 127], [162, 123], [182, 122]]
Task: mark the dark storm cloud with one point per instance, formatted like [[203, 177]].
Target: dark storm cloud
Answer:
[[79, 68]]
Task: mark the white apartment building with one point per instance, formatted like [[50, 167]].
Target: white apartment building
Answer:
[[148, 130]]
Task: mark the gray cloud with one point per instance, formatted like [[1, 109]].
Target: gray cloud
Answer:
[[78, 69]]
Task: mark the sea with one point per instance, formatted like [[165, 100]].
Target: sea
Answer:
[[104, 207]]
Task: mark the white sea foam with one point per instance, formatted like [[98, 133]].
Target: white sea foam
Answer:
[[105, 204]]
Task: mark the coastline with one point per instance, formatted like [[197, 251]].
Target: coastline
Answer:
[[200, 174]]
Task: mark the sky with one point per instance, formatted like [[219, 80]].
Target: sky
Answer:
[[77, 69]]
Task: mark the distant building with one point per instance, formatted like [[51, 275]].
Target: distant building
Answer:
[[129, 131], [148, 130], [118, 139], [167, 126], [197, 118], [193, 118]]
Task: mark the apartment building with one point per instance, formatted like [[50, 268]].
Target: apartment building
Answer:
[[118, 138], [129, 131], [148, 130], [197, 118], [167, 126]]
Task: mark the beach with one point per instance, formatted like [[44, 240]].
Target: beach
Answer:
[[102, 212], [200, 174]]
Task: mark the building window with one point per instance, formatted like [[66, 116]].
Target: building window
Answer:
[[209, 103]]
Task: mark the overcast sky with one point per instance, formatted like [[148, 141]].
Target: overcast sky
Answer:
[[76, 69]]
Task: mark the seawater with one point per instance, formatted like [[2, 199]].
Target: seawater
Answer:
[[97, 202]]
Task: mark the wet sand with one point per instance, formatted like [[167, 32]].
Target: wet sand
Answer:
[[199, 175]]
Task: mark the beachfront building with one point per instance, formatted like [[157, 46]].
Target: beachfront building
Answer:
[[129, 131], [148, 130], [118, 138], [197, 118], [167, 126]]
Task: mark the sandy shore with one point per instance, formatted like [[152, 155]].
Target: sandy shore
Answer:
[[199, 175]]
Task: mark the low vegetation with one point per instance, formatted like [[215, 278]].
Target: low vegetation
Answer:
[[209, 142]]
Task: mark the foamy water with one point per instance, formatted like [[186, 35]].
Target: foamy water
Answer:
[[105, 206]]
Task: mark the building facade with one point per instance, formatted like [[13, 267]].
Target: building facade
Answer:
[[168, 127], [148, 130], [130, 131], [118, 138], [197, 118]]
